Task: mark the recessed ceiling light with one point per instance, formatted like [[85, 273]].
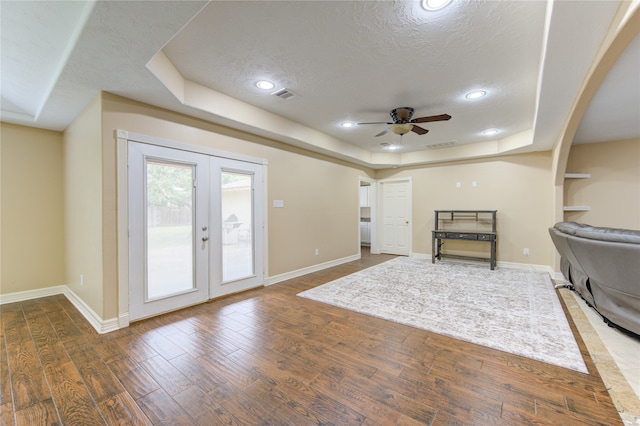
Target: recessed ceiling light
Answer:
[[490, 132], [348, 124], [265, 85], [432, 5], [475, 94]]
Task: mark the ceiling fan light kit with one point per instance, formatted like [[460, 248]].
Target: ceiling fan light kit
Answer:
[[402, 122], [401, 129]]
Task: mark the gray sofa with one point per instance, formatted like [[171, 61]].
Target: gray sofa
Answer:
[[603, 265]]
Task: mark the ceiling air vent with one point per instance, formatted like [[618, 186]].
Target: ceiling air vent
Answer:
[[440, 145], [284, 94]]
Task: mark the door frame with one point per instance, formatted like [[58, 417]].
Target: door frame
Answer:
[[122, 217], [409, 181]]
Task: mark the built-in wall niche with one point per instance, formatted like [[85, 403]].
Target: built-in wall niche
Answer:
[[569, 194]]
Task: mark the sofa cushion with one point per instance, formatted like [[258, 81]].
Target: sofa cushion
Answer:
[[569, 227], [629, 236]]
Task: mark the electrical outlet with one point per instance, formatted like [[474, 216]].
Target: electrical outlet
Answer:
[[458, 185], [317, 252], [81, 280], [525, 252]]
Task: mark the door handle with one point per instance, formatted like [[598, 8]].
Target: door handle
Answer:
[[205, 238]]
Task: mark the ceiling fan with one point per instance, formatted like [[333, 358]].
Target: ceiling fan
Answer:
[[403, 124]]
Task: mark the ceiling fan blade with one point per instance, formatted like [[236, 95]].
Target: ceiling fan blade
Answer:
[[441, 117], [419, 130], [375, 122], [384, 132]]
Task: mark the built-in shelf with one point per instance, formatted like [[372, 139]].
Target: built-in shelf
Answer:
[[576, 208], [577, 175]]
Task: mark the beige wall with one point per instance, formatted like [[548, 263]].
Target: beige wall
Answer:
[[613, 191], [32, 223], [519, 187], [83, 200]]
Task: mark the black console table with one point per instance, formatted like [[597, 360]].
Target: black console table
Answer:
[[468, 225]]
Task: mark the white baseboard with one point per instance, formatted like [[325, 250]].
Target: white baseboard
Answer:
[[300, 272], [499, 264], [100, 325], [525, 266], [20, 296]]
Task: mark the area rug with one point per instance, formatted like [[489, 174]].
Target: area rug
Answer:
[[512, 310]]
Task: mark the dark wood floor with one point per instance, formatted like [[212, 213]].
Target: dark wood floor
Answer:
[[269, 357]]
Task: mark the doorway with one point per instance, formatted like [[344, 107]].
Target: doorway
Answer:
[[195, 228], [396, 207]]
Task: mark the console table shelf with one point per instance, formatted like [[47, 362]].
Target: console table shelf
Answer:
[[484, 230]]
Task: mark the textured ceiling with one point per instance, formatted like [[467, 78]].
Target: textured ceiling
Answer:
[[345, 60], [358, 60]]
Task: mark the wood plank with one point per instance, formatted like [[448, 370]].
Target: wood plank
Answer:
[[291, 411], [322, 405], [136, 347], [359, 402], [161, 409], [244, 408], [42, 413], [203, 408], [163, 346], [121, 409], [133, 377], [98, 378], [166, 375], [28, 382], [50, 349], [7, 417], [71, 397], [5, 383], [237, 375], [198, 372]]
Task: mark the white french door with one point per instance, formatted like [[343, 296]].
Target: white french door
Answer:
[[396, 217], [195, 228], [237, 224]]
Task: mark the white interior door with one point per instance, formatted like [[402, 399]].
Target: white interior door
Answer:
[[168, 229], [396, 217], [195, 228]]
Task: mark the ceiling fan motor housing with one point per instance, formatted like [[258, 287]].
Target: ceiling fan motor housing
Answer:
[[401, 115]]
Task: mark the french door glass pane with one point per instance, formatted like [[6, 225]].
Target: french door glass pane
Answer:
[[170, 226], [237, 225]]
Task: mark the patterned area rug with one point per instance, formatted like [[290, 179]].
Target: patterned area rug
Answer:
[[511, 310]]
